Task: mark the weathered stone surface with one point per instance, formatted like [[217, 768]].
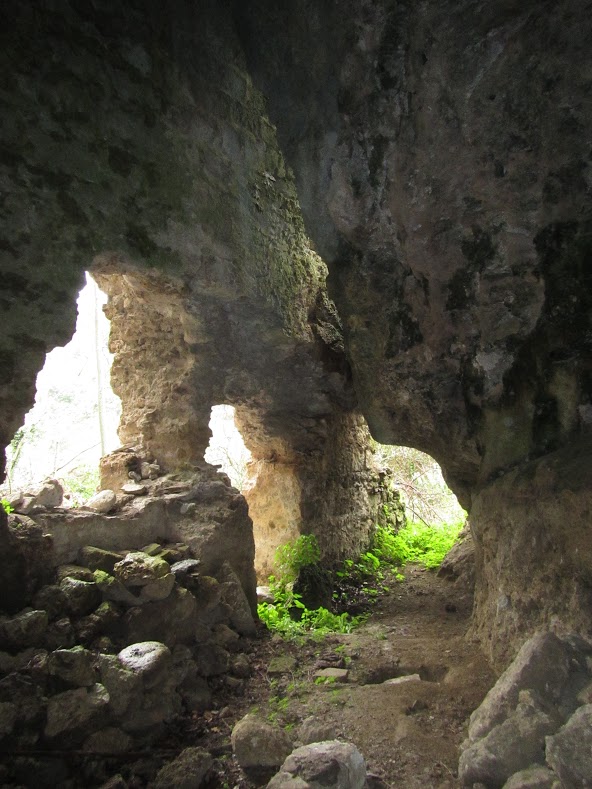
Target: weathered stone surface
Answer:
[[150, 660], [60, 634], [102, 502], [24, 630], [212, 660], [334, 674], [569, 752], [334, 764], [134, 488], [82, 597], [535, 777], [259, 748], [74, 571], [74, 714], [311, 730], [511, 746], [459, 563], [440, 176], [544, 665], [140, 569], [123, 685], [172, 621], [187, 771], [74, 666], [49, 494], [98, 558], [241, 617], [50, 599]]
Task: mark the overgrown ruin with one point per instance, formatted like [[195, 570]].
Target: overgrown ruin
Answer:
[[326, 215]]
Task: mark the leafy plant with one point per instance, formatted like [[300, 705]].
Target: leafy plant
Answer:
[[6, 506], [416, 542], [287, 615]]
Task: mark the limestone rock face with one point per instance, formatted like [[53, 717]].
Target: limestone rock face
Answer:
[[441, 182], [440, 157]]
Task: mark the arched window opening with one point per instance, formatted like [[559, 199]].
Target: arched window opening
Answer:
[[76, 414], [227, 448], [418, 477]]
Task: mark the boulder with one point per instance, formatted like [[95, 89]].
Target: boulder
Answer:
[[241, 618], [102, 502], [569, 752], [73, 715], [172, 621], [543, 664], [51, 599], [332, 764], [150, 660], [150, 575], [49, 494], [98, 558], [60, 634], [74, 666], [513, 745], [311, 730], [459, 563], [187, 771], [23, 630], [114, 590], [74, 571], [124, 686], [101, 621], [259, 748], [535, 777], [211, 659], [82, 597]]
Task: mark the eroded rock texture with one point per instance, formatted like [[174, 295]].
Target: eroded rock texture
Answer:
[[443, 170], [441, 159]]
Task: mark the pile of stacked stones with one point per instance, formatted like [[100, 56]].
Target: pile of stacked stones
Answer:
[[110, 650]]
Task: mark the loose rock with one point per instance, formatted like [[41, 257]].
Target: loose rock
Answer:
[[259, 748], [187, 771], [569, 752]]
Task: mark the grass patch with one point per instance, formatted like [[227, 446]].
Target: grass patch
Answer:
[[416, 542]]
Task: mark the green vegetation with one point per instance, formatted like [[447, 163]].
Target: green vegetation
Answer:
[[6, 506], [416, 542], [287, 615]]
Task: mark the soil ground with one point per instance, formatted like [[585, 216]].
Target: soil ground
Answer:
[[409, 733]]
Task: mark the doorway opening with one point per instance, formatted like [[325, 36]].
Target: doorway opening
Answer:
[[227, 448], [76, 413]]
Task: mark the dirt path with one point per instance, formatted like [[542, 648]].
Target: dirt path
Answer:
[[409, 732]]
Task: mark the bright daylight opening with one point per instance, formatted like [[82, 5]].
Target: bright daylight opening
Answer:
[[76, 414], [227, 448], [418, 477]]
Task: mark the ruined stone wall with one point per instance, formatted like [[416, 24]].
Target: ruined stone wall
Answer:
[[443, 168]]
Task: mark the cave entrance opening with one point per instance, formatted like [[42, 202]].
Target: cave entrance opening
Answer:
[[76, 413], [227, 448], [418, 477]]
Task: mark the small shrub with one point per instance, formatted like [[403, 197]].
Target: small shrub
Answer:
[[287, 615], [416, 542]]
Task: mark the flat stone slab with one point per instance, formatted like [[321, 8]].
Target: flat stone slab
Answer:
[[402, 680], [338, 674]]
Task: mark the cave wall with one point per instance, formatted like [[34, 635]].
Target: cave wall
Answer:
[[147, 153], [441, 160], [443, 166]]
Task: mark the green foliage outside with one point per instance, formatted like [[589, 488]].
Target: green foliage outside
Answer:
[[415, 542], [6, 506], [287, 615], [81, 483]]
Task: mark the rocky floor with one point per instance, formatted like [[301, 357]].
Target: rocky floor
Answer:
[[408, 731], [412, 681]]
